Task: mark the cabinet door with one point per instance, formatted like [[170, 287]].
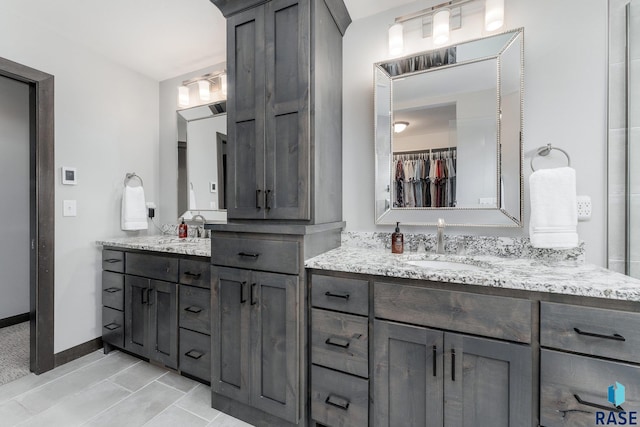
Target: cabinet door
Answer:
[[408, 372], [287, 170], [487, 382], [136, 315], [245, 118], [163, 322], [274, 344], [230, 332]]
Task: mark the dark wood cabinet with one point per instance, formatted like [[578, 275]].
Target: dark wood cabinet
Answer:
[[255, 335]]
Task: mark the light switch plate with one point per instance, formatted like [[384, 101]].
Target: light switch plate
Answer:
[[69, 208]]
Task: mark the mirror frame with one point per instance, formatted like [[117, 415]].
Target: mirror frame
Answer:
[[453, 216]]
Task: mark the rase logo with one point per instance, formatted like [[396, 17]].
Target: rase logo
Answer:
[[616, 416]]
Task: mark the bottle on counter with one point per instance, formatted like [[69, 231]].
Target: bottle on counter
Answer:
[[397, 241], [182, 230]]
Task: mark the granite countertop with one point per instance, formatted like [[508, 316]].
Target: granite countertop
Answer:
[[188, 246], [555, 276]]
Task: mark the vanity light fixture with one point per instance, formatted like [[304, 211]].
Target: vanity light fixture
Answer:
[[399, 126], [211, 87], [183, 96], [204, 90], [439, 20]]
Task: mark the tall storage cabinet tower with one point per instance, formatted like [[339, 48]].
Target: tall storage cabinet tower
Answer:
[[284, 124]]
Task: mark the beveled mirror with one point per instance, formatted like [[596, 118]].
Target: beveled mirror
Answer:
[[459, 156]]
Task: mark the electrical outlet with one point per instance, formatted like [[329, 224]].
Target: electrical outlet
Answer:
[[69, 208], [584, 207]]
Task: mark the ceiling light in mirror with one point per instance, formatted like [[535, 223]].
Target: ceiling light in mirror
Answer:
[[400, 126], [494, 15], [441, 27]]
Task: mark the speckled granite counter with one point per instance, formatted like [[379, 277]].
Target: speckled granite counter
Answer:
[[568, 277], [189, 246]]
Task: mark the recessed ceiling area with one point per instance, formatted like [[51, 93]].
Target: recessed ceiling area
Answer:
[[159, 39]]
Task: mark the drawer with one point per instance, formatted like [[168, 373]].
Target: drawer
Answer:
[[195, 309], [113, 260], [113, 290], [340, 341], [195, 354], [491, 316], [195, 273], [153, 267], [565, 378], [337, 293], [338, 399], [280, 256], [594, 331], [113, 327]]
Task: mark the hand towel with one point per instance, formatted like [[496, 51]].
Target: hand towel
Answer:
[[554, 214], [134, 209]]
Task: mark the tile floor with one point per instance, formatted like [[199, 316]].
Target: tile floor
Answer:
[[109, 390]]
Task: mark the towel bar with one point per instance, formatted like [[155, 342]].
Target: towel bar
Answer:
[[131, 176], [544, 151]]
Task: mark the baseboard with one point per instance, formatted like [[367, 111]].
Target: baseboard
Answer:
[[14, 320], [78, 351]]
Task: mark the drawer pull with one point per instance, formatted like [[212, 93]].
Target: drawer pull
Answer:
[[196, 276], [338, 342], [194, 354], [112, 260], [331, 294], [435, 360], [248, 254], [243, 298], [615, 337], [337, 401], [253, 287], [598, 406], [453, 364], [193, 309], [144, 296], [113, 290], [112, 326], [267, 198], [258, 199]]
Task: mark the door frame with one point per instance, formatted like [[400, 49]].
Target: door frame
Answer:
[[41, 218]]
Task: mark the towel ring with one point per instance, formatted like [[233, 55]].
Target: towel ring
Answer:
[[544, 151], [131, 176]]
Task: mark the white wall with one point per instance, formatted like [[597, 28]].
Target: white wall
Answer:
[[106, 124], [565, 103], [14, 196]]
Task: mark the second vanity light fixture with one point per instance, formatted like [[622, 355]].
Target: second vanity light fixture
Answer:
[[207, 85], [443, 18]]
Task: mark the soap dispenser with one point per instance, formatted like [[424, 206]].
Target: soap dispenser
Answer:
[[397, 241], [182, 230]]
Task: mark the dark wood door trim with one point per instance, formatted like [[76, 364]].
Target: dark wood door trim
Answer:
[[42, 169]]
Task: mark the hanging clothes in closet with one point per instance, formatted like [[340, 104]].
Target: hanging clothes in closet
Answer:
[[425, 178]]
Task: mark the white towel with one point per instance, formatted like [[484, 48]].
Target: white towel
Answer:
[[554, 213], [134, 209]]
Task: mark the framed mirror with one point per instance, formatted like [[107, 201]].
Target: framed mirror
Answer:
[[202, 154], [448, 135]]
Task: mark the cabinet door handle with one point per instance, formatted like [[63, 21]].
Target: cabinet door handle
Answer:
[[337, 401], [113, 290], [258, 199], [144, 295], [249, 254], [193, 309], [194, 354], [149, 297], [333, 295], [267, 199], [243, 298], [112, 326], [253, 294], [194, 275], [112, 260], [598, 406], [615, 337], [435, 361], [453, 364], [338, 342]]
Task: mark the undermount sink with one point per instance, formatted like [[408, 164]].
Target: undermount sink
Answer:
[[445, 265]]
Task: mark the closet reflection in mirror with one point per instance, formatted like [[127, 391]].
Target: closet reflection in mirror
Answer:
[[202, 139], [448, 134]]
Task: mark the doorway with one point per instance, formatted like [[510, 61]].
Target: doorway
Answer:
[[41, 217]]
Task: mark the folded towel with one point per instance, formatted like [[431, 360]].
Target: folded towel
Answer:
[[134, 209], [554, 214]]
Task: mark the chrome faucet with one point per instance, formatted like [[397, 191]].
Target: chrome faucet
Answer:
[[440, 237], [200, 231]]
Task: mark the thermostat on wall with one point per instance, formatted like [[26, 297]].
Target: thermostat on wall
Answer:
[[69, 176]]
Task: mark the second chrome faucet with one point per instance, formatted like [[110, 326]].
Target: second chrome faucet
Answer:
[[440, 237]]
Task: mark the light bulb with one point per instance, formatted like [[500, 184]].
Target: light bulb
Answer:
[[396, 39], [204, 90], [183, 96], [494, 15], [441, 27]]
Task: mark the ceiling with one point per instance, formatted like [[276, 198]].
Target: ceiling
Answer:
[[157, 38]]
